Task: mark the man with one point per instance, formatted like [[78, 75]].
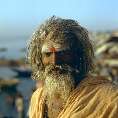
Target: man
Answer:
[[61, 55]]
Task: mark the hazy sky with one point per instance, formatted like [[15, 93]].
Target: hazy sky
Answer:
[[21, 17]]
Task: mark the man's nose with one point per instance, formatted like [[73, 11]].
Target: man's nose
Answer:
[[54, 58]]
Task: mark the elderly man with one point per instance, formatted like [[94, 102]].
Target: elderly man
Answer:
[[61, 56]]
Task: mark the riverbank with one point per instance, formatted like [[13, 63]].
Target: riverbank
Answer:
[[12, 62]]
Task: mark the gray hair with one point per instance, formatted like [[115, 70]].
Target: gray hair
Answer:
[[71, 32]]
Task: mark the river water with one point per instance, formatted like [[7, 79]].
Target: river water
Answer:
[[26, 85]]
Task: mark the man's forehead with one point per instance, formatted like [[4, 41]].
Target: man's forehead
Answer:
[[54, 47]]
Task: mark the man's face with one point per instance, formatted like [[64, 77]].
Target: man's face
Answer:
[[57, 54]]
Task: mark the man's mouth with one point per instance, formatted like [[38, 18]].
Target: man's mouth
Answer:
[[54, 69], [60, 69]]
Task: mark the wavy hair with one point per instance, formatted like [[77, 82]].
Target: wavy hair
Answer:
[[71, 32]]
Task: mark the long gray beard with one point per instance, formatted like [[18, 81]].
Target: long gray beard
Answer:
[[59, 83]]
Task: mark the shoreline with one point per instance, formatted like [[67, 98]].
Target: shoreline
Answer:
[[12, 62]]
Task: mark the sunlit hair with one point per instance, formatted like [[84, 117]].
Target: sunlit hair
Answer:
[[61, 31]]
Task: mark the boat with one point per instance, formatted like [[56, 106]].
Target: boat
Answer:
[[22, 71], [4, 82]]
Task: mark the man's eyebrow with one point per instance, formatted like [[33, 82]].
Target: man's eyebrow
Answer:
[[53, 49]]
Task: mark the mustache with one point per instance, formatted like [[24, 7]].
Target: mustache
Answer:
[[54, 69], [61, 69]]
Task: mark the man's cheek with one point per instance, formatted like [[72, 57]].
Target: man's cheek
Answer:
[[45, 61]]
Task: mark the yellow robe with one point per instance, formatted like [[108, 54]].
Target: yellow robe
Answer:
[[94, 97]]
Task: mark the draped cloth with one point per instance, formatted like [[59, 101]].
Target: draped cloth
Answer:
[[94, 97]]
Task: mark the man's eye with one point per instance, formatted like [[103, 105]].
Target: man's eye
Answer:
[[61, 53], [47, 54]]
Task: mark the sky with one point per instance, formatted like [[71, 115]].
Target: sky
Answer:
[[22, 17]]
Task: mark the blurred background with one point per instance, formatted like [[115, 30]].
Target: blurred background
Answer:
[[20, 18]]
